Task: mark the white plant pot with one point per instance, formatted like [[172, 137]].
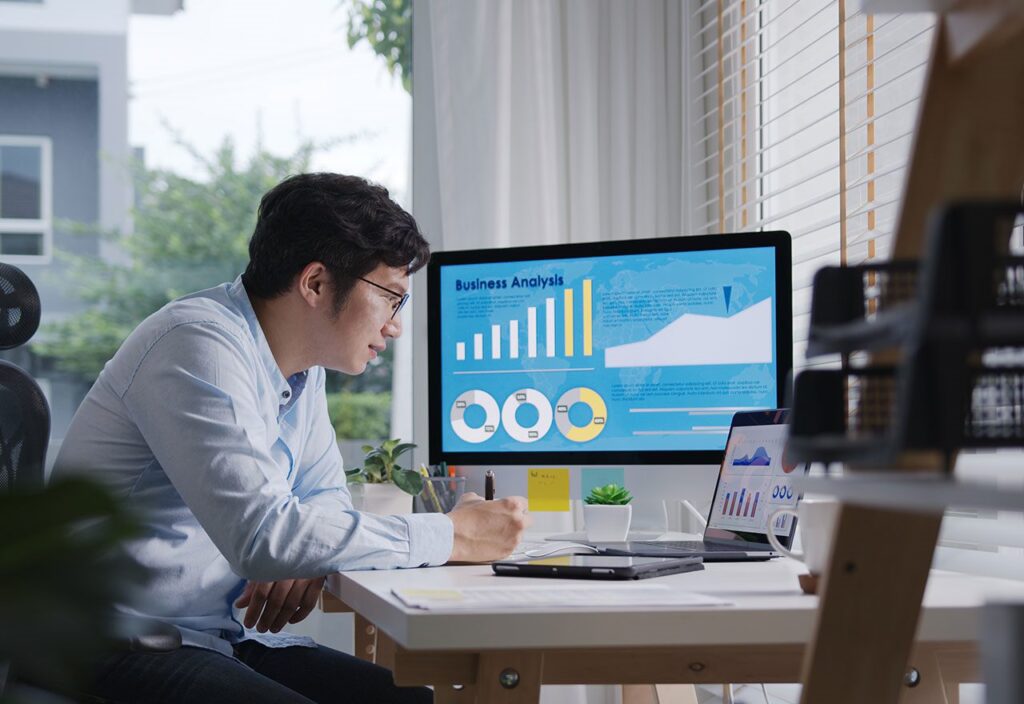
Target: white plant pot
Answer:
[[382, 499], [607, 524]]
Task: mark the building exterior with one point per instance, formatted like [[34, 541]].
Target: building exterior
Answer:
[[64, 150]]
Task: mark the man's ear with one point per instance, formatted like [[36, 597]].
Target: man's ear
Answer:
[[313, 284]]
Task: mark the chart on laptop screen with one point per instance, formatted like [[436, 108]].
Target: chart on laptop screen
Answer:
[[756, 480], [630, 352]]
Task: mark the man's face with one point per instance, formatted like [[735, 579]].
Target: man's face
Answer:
[[361, 330]]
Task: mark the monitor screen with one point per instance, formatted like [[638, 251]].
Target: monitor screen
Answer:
[[637, 351]]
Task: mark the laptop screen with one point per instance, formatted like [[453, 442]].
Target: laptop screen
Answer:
[[755, 479]]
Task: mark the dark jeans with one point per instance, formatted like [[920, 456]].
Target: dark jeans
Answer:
[[278, 675]]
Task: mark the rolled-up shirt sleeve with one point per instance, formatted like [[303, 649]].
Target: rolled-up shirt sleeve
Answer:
[[195, 400]]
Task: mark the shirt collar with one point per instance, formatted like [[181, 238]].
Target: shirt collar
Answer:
[[286, 392]]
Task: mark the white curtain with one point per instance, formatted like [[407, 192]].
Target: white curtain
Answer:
[[541, 122], [556, 120], [544, 122]]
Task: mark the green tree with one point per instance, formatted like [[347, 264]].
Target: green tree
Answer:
[[386, 25], [189, 234], [360, 415]]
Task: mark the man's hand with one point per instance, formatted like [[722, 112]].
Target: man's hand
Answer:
[[274, 604], [487, 530]]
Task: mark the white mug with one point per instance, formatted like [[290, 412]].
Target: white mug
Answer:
[[817, 522]]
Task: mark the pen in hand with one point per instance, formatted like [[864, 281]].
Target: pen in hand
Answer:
[[489, 485]]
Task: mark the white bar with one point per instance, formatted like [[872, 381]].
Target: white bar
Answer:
[[976, 562], [726, 409], [920, 491], [549, 341], [495, 342], [681, 432], [531, 332], [990, 532], [478, 345], [562, 370], [460, 351], [513, 339]]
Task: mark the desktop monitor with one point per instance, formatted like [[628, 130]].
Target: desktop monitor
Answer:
[[637, 351]]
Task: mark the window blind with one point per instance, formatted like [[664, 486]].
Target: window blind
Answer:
[[805, 111], [806, 117]]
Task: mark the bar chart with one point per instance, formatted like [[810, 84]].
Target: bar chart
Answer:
[[502, 340], [741, 503]]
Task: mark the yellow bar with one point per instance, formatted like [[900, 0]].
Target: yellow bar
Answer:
[[568, 322], [588, 334]]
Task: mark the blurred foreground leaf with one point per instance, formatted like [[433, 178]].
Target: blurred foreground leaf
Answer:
[[60, 574]]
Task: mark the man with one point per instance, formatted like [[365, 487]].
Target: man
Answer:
[[211, 420]]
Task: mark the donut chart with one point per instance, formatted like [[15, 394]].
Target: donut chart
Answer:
[[526, 397], [475, 397], [599, 414]]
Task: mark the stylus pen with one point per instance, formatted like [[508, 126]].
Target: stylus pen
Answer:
[[489, 485]]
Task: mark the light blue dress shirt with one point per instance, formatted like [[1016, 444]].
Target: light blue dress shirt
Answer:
[[234, 468]]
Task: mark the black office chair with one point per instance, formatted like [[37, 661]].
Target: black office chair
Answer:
[[24, 413], [25, 434]]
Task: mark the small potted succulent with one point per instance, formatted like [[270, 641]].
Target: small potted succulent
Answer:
[[381, 486], [607, 514]]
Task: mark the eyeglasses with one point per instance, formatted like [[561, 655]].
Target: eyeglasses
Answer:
[[403, 298]]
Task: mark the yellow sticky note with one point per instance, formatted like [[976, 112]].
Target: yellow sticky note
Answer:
[[547, 489]]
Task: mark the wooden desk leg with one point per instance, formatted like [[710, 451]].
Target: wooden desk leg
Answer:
[[366, 639], [509, 677], [365, 636], [869, 606], [446, 694], [930, 688], [941, 669], [385, 651], [659, 694]]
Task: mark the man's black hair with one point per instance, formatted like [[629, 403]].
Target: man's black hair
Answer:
[[344, 222]]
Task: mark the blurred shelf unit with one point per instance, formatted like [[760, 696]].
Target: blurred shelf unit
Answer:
[[933, 353]]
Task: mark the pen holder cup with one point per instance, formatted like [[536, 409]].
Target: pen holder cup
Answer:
[[439, 495]]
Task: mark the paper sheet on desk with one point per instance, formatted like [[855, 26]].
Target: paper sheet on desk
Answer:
[[570, 596]]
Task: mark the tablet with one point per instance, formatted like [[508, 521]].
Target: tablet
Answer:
[[597, 567]]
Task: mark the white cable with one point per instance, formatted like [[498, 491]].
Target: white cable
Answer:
[[694, 512], [545, 551]]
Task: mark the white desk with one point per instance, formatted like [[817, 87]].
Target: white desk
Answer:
[[759, 638]]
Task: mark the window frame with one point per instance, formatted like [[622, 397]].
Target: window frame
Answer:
[[44, 223]]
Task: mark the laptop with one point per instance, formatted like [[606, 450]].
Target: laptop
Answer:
[[754, 480]]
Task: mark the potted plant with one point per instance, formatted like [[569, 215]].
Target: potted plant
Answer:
[[607, 514], [381, 486]]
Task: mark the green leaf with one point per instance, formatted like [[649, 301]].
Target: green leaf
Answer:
[[52, 628], [388, 446], [386, 25], [403, 448], [409, 481], [367, 448], [608, 495]]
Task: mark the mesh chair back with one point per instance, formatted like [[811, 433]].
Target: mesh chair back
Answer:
[[19, 307], [24, 413], [24, 430]]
